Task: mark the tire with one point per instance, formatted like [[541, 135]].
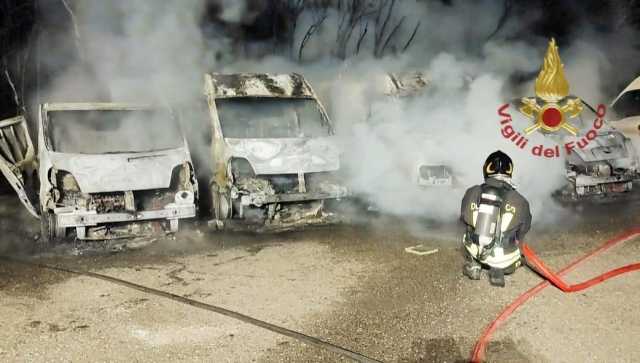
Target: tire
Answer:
[[50, 233], [220, 204]]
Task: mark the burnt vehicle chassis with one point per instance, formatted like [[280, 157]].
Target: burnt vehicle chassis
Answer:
[[102, 195], [274, 203], [271, 184], [604, 172]]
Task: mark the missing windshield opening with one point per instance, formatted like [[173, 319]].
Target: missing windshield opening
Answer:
[[108, 131], [270, 117]]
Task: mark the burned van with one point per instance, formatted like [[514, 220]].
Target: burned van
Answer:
[[626, 112], [275, 163], [103, 170], [603, 170], [395, 91], [608, 166], [601, 163], [426, 171]]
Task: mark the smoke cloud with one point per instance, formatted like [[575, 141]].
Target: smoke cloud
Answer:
[[135, 52]]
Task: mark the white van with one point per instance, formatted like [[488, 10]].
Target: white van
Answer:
[[102, 170]]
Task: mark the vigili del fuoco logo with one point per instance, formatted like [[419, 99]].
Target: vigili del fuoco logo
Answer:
[[551, 111]]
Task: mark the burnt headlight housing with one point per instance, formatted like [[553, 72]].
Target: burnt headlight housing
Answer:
[[182, 178], [66, 190], [240, 169], [184, 197], [66, 182]]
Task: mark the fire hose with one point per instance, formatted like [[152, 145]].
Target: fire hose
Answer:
[[534, 262], [213, 308]]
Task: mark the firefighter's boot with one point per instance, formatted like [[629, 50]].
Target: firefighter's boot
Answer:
[[496, 277], [472, 269]]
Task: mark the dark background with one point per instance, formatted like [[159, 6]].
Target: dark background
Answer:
[[23, 23]]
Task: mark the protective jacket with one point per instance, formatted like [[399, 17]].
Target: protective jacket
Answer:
[[513, 222]]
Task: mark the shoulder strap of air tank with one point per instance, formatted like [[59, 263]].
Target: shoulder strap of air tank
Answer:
[[485, 187]]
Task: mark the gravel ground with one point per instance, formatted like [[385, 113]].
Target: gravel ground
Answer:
[[353, 286]]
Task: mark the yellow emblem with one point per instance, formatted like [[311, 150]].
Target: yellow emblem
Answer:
[[509, 208], [552, 105]]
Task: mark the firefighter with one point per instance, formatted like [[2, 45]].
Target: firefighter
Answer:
[[497, 218]]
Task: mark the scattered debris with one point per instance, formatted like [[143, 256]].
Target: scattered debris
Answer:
[[406, 84], [421, 250]]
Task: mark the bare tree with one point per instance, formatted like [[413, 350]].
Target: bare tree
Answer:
[[321, 16], [16, 37], [292, 9], [506, 10], [354, 13], [76, 30], [363, 16], [383, 36]]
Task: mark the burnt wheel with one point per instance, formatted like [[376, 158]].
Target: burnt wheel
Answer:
[[49, 230], [220, 204]]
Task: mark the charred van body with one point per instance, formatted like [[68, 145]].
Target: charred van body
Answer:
[[103, 170], [603, 170], [601, 162], [275, 163]]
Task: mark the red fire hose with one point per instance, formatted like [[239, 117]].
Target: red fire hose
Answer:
[[534, 262]]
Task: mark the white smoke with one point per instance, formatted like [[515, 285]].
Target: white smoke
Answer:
[[141, 51], [455, 123], [133, 51], [233, 10]]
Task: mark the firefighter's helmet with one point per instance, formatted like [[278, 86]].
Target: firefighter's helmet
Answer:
[[498, 163]]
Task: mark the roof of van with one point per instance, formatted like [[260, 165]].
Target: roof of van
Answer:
[[291, 85]]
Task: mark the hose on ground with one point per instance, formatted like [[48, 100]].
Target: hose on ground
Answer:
[[536, 264], [216, 309]]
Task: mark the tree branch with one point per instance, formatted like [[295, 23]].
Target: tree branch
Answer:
[[363, 34], [76, 30], [16, 98], [312, 29], [413, 35], [393, 32], [503, 18]]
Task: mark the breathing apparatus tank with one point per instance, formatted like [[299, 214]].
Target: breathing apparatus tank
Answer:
[[487, 229]]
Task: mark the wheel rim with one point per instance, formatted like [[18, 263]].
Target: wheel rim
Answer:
[[221, 206]]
